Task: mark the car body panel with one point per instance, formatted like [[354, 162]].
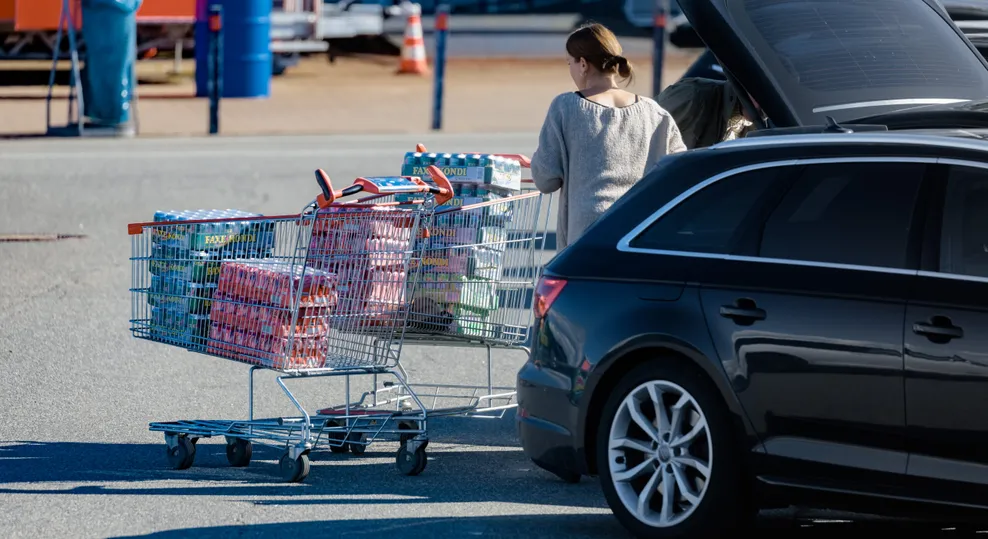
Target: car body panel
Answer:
[[821, 378], [571, 354], [946, 385], [887, 57], [945, 436]]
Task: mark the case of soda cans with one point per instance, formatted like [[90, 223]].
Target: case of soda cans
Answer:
[[459, 291], [180, 295], [227, 236], [486, 171], [491, 215], [369, 256], [195, 266], [185, 266], [177, 327], [471, 324], [252, 315], [462, 262]]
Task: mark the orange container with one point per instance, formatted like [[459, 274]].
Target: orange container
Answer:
[[40, 15], [43, 15], [7, 10], [167, 12]]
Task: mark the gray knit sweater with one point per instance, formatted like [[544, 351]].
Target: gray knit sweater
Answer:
[[594, 153]]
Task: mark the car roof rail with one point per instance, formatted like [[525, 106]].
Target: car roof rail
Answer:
[[831, 127]]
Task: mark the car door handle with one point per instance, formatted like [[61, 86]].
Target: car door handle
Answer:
[[744, 311], [938, 329]]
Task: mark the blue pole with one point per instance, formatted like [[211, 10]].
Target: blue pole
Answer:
[[658, 47], [215, 66], [442, 30]]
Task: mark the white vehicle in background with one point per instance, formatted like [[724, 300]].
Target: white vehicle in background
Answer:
[[300, 27]]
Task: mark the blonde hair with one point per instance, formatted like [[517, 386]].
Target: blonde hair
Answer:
[[598, 45]]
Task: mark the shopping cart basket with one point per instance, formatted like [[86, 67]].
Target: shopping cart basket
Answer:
[[476, 277], [321, 293]]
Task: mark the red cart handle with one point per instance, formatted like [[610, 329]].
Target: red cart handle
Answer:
[[443, 190], [523, 159]]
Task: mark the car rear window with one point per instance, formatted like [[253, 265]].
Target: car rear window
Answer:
[[838, 50]]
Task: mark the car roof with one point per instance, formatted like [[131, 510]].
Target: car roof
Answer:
[[803, 60]]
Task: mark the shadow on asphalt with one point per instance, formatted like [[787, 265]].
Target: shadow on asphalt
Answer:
[[495, 476], [486, 449], [501, 476], [518, 526]]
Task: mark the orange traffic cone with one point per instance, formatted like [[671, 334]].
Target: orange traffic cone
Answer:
[[413, 60]]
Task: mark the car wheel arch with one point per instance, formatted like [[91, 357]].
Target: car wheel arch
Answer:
[[619, 361]]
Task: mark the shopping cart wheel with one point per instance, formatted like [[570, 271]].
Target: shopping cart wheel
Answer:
[[294, 470], [411, 462], [357, 447], [183, 454], [238, 452]]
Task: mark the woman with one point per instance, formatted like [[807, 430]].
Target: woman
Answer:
[[597, 142]]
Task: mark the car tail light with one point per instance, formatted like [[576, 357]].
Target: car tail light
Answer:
[[546, 293]]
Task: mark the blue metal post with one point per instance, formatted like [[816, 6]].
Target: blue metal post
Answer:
[[442, 31], [215, 66], [659, 42]]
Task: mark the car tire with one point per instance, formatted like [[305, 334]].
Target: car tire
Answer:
[[703, 508]]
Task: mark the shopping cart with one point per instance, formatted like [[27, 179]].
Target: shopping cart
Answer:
[[482, 258], [321, 293]]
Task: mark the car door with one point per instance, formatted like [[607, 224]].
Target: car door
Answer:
[[809, 320], [946, 344]]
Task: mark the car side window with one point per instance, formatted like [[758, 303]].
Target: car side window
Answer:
[[964, 235], [709, 220], [846, 213]]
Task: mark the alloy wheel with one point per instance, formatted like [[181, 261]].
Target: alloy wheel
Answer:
[[660, 453]]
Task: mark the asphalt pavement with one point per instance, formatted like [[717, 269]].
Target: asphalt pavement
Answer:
[[77, 391]]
